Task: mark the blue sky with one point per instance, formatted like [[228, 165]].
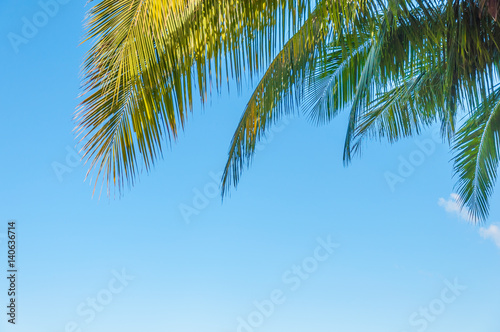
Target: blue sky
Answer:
[[404, 259]]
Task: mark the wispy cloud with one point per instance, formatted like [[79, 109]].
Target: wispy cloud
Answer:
[[452, 206], [492, 232]]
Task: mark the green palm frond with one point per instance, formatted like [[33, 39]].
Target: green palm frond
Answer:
[[277, 93], [333, 83], [411, 96], [407, 43], [398, 58], [403, 110], [365, 86], [477, 152], [298, 67], [462, 81]]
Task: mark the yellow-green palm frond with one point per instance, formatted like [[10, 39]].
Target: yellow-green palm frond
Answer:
[[147, 58]]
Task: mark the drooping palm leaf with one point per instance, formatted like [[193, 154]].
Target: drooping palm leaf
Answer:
[[365, 84], [333, 83], [477, 152], [406, 44], [311, 58], [148, 54], [402, 111], [412, 94], [424, 85], [277, 93]]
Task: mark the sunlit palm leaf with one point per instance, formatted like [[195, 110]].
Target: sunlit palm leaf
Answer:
[[148, 54]]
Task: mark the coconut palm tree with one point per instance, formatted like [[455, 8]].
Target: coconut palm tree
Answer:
[[397, 67]]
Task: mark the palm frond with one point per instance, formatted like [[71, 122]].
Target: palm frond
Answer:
[[277, 94], [333, 83], [147, 57], [365, 85], [477, 151], [402, 111]]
